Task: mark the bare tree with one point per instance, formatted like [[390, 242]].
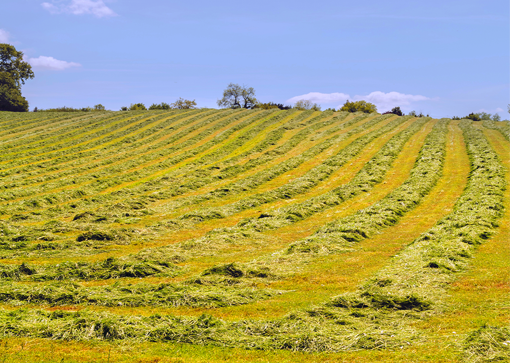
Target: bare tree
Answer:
[[236, 96]]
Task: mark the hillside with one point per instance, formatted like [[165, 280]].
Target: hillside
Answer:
[[263, 235]]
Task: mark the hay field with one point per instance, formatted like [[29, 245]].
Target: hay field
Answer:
[[253, 235]]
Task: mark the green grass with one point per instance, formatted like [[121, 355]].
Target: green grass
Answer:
[[228, 235]]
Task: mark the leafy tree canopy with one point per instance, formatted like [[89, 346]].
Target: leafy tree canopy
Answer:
[[161, 106], [137, 107], [271, 105], [11, 62], [10, 95], [359, 106], [236, 96], [183, 104]]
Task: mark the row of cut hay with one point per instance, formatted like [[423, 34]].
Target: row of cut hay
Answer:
[[100, 155], [15, 244], [501, 126], [370, 175], [15, 237], [363, 320], [418, 277], [253, 181], [77, 211], [77, 137], [193, 293], [85, 179], [82, 177], [299, 185], [30, 129], [340, 235], [218, 239]]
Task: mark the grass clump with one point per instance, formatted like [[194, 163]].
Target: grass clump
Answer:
[[488, 344]]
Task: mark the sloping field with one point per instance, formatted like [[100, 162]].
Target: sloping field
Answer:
[[253, 235]]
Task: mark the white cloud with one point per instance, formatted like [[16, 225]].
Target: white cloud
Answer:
[[43, 62], [318, 97], [80, 7], [50, 7], [4, 36], [499, 109], [383, 101], [386, 101]]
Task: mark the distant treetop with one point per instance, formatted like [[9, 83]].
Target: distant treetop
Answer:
[[359, 106], [236, 96]]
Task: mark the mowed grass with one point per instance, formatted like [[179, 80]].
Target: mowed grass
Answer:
[[135, 200]]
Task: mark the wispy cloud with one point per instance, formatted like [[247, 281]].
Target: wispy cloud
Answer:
[[43, 62], [80, 7], [496, 110], [318, 97], [4, 36], [386, 101], [383, 101]]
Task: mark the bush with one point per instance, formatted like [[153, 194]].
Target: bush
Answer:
[[137, 107], [271, 105], [359, 106], [395, 111], [161, 106], [307, 105], [182, 104]]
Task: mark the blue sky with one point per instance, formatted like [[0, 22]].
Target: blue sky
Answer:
[[443, 58]]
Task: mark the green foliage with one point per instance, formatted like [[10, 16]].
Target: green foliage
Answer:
[[306, 105], [359, 106], [271, 105], [137, 107], [236, 96], [395, 111], [71, 109], [182, 104], [11, 62], [161, 106], [10, 95]]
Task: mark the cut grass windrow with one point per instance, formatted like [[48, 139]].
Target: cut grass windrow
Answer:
[[372, 318], [214, 239], [297, 186]]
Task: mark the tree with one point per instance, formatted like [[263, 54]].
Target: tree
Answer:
[[182, 104], [307, 105], [236, 96], [137, 107], [11, 61], [13, 73], [271, 105], [359, 106], [99, 107], [162, 106], [397, 111], [10, 96]]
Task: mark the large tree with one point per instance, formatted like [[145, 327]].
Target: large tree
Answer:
[[10, 96], [13, 73], [236, 96]]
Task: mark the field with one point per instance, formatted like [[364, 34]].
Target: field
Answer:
[[253, 235]]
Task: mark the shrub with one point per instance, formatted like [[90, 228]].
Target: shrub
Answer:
[[307, 105], [161, 106], [359, 106], [137, 107], [271, 105]]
